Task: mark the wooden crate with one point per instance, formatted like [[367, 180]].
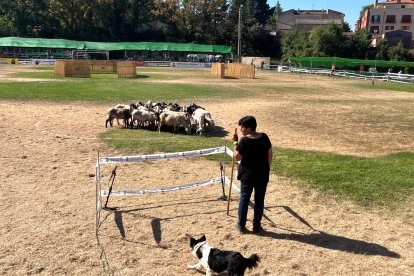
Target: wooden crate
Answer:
[[126, 69], [217, 70]]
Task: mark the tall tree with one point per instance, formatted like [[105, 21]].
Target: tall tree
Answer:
[[167, 12], [261, 11], [8, 12], [361, 43], [74, 17], [24, 18], [295, 44], [275, 16], [328, 41], [382, 50]]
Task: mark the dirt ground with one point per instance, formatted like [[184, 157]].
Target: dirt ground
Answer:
[[47, 193]]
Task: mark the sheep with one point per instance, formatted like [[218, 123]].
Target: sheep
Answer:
[[192, 107], [120, 111], [143, 116], [203, 120], [175, 119]]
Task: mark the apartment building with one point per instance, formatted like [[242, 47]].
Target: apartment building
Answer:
[[306, 20], [391, 19]]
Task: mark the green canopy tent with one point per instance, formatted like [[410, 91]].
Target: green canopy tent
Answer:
[[37, 44]]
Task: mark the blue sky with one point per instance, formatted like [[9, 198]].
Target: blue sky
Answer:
[[350, 8]]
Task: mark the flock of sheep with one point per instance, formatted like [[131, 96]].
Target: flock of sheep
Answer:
[[155, 115]]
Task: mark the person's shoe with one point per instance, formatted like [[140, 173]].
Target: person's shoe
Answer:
[[241, 229], [257, 229]]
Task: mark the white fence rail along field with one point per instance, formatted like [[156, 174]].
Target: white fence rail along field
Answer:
[[390, 77]]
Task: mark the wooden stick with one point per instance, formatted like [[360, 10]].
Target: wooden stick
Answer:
[[231, 177]]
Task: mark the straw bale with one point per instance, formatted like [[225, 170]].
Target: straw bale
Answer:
[[103, 66], [217, 70], [237, 70], [72, 68], [126, 69]]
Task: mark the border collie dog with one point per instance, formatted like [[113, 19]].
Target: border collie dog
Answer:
[[216, 260]]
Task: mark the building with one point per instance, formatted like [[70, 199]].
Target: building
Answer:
[[385, 18], [306, 20]]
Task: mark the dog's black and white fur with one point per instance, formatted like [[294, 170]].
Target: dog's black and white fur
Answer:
[[216, 260]]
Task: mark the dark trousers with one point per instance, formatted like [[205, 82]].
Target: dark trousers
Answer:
[[259, 196]]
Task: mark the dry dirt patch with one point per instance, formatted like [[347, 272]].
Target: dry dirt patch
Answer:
[[48, 200]]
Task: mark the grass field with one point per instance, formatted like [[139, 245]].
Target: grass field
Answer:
[[385, 180], [339, 200]]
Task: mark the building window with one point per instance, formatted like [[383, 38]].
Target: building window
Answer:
[[390, 19], [402, 6], [389, 28], [405, 27], [374, 29], [376, 19], [406, 19]]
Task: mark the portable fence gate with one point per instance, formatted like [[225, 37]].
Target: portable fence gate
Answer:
[[100, 193]]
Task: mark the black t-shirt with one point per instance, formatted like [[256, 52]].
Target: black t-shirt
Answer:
[[254, 166]]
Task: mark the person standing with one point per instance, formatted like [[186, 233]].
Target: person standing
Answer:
[[254, 151]]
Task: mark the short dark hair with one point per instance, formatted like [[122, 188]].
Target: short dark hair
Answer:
[[248, 122]]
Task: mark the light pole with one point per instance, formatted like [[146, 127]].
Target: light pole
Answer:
[[239, 33]]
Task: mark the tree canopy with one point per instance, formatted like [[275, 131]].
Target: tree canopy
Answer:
[[185, 21]]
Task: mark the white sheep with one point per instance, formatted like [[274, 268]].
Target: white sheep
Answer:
[[202, 119], [175, 119], [142, 116]]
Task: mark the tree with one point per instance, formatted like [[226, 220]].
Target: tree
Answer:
[[398, 52], [328, 41], [261, 11], [8, 10], [275, 16], [346, 27], [364, 8], [167, 12], [24, 18], [294, 44], [361, 43], [382, 50], [73, 16]]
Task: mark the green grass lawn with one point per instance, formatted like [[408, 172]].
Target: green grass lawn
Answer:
[[108, 88], [384, 180]]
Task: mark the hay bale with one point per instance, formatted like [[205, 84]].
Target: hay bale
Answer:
[[59, 67], [103, 66], [217, 70], [126, 69], [72, 68], [244, 71]]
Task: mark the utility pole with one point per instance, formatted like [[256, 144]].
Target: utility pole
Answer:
[[239, 33]]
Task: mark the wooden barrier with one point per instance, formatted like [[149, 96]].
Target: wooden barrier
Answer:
[[72, 68], [126, 69], [217, 70], [103, 66], [244, 71]]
